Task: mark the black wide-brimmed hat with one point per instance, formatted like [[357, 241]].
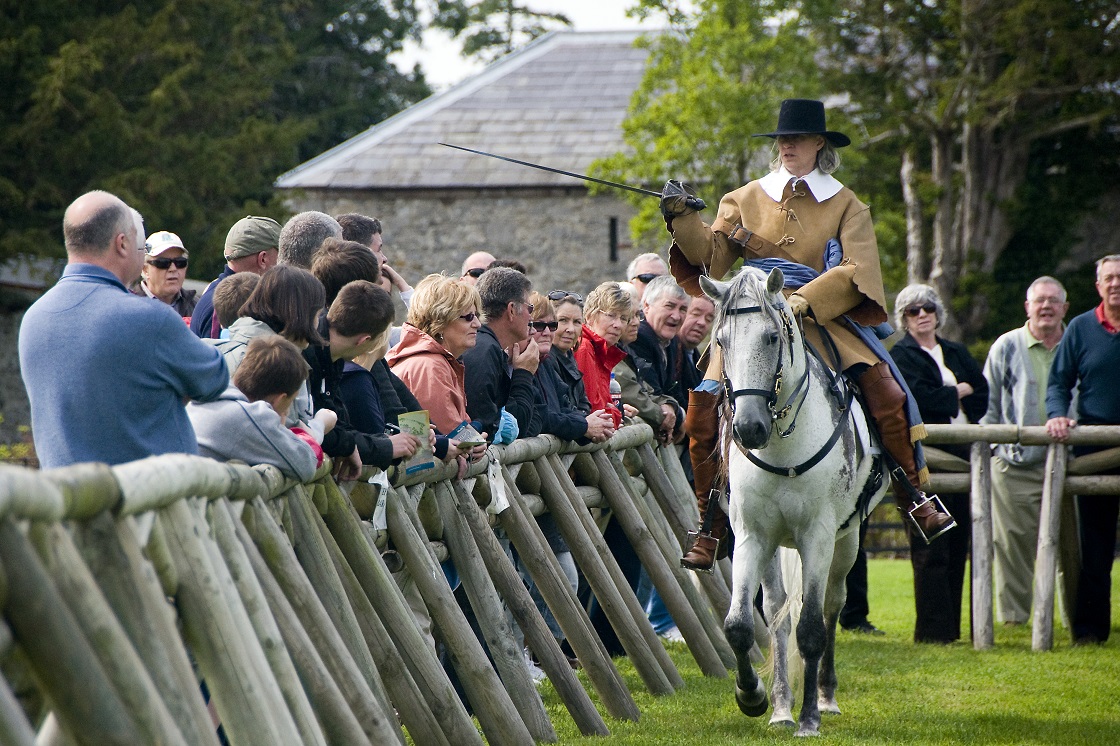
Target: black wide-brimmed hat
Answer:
[[805, 116]]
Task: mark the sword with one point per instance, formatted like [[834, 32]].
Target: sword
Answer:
[[627, 187]]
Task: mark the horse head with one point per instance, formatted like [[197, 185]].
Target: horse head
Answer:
[[749, 328]]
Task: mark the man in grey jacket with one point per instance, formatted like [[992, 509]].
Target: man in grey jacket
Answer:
[[1017, 369]]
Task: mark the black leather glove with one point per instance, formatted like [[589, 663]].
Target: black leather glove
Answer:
[[678, 198]]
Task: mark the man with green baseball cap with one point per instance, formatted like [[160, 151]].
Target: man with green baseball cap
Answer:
[[250, 247]]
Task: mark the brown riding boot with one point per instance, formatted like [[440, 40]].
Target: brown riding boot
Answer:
[[886, 402], [701, 422]]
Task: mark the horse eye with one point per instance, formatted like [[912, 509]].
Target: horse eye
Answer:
[[772, 338]]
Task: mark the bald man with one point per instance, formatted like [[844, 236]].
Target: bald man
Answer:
[[474, 265], [107, 372]]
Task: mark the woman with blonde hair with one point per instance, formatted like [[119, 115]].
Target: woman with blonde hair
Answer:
[[444, 317], [559, 415], [607, 312]]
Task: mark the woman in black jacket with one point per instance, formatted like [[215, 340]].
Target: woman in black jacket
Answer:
[[949, 387]]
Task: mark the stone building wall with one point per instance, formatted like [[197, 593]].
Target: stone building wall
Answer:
[[561, 235]]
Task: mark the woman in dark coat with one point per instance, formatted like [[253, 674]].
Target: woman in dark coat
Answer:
[[949, 387]]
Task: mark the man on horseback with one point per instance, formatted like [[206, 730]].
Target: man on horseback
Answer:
[[797, 213]]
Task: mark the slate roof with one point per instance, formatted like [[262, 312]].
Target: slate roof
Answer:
[[559, 101]]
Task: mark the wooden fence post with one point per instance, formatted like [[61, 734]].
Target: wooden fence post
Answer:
[[982, 551], [128, 580], [264, 624], [403, 691], [554, 587], [85, 702], [378, 583], [612, 592], [690, 612], [537, 634], [500, 720], [317, 565], [488, 610], [339, 723], [1045, 566], [118, 657]]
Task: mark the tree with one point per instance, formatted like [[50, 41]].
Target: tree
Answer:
[[958, 95], [964, 90], [492, 28], [188, 109], [711, 82]]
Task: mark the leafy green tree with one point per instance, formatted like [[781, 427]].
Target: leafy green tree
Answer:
[[714, 80], [492, 28], [953, 101], [188, 109]]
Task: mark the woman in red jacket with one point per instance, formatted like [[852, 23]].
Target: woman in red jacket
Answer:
[[607, 310]]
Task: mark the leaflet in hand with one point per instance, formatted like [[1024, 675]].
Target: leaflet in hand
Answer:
[[467, 436], [418, 424]]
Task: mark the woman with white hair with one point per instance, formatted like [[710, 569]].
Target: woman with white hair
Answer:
[[949, 387]]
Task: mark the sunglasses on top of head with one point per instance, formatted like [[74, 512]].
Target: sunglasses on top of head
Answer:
[[916, 309], [180, 262], [557, 295], [540, 326]]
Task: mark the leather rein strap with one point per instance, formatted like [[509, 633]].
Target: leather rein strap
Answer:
[[771, 397]]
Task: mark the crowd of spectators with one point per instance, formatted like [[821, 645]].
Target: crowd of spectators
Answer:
[[296, 354]]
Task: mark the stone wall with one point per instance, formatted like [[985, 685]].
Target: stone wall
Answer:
[[561, 235]]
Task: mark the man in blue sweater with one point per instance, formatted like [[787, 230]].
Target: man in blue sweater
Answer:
[[1088, 357], [109, 373]]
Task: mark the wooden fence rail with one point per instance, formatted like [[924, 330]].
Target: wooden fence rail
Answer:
[[1064, 478], [122, 587]]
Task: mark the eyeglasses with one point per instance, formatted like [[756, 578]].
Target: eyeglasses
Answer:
[[146, 247], [915, 310], [1047, 299], [476, 272], [646, 277], [540, 326], [469, 317], [563, 294], [180, 262]]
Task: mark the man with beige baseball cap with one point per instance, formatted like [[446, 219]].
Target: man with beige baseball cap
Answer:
[[250, 247]]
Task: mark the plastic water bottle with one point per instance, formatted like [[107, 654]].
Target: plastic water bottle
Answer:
[[616, 394]]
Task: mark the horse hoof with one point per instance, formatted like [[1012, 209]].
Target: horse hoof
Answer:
[[828, 706], [807, 732], [752, 704], [783, 719]]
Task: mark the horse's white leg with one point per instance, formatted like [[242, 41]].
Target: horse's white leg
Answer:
[[774, 601], [816, 559], [750, 692], [837, 592]]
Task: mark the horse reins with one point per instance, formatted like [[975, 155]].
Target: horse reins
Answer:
[[800, 393]]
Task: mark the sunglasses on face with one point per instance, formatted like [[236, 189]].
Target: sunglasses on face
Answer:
[[564, 294], [469, 317], [180, 262], [915, 310], [646, 277], [476, 272], [540, 326]]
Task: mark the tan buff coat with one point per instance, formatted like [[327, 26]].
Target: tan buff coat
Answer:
[[799, 227]]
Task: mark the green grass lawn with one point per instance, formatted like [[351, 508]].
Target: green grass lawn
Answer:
[[893, 691]]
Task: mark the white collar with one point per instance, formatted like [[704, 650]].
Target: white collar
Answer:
[[822, 185]]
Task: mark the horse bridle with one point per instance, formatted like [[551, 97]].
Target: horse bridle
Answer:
[[772, 394]]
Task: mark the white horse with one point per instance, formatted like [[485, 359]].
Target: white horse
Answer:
[[799, 457]]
